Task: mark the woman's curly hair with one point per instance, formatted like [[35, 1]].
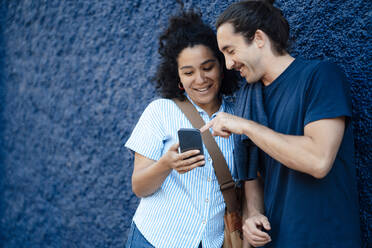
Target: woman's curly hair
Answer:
[[187, 30]]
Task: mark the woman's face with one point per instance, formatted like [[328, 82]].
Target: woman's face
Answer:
[[200, 74]]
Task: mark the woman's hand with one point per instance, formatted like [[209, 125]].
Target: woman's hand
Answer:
[[148, 175], [182, 162]]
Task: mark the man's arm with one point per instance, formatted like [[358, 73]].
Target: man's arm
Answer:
[[313, 153], [254, 220]]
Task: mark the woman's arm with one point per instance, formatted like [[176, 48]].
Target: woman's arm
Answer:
[[148, 175]]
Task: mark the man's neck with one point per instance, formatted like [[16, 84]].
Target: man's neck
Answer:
[[275, 66]]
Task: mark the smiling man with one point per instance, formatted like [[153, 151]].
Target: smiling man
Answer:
[[306, 194]]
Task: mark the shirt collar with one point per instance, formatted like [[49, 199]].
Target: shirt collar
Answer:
[[200, 110]]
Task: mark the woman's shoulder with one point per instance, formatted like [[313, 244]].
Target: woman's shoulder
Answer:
[[161, 105]]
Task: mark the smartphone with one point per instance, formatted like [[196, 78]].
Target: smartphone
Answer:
[[190, 139]]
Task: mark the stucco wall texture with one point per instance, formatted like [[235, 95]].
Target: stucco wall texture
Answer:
[[74, 79]]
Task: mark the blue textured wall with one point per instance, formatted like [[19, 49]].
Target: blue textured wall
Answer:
[[74, 79]]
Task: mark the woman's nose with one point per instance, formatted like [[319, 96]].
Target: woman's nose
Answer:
[[200, 77]]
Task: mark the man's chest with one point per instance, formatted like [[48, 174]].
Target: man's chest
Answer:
[[286, 112]]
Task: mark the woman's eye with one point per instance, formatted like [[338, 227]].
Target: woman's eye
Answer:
[[208, 68], [188, 73], [230, 51]]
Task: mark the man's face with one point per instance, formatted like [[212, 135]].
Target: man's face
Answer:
[[239, 55]]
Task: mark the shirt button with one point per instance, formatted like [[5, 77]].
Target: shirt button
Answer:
[[207, 200], [209, 179], [204, 222], [209, 159]]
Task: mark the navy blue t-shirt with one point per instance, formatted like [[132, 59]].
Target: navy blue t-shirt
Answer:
[[305, 211]]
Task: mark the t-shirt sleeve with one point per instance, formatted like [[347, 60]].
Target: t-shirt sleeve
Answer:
[[147, 136], [328, 94]]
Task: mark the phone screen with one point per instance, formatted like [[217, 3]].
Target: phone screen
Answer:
[[190, 139]]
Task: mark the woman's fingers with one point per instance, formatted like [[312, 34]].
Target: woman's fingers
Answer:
[[182, 162], [174, 147], [186, 155], [187, 168], [189, 160]]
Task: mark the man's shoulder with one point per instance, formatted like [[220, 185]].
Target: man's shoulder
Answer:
[[309, 64], [316, 73], [316, 65]]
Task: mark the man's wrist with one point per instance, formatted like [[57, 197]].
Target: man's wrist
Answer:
[[247, 127], [253, 211]]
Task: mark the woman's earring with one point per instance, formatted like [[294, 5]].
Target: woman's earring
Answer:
[[180, 86]]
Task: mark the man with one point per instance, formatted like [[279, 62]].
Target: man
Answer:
[[308, 197]]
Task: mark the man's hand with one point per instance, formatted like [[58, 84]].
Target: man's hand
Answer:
[[224, 125], [252, 229]]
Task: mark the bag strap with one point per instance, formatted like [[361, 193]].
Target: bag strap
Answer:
[[224, 178]]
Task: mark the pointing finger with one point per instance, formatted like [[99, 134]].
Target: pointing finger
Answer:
[[206, 126]]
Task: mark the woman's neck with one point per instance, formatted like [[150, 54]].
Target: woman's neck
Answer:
[[212, 107]]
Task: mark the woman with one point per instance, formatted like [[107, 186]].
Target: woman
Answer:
[[181, 204]]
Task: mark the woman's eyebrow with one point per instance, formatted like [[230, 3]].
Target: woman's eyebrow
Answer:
[[207, 61], [186, 67]]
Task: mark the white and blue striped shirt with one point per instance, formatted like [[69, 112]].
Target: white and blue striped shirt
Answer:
[[187, 208]]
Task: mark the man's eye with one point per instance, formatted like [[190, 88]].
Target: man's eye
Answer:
[[188, 73], [230, 51]]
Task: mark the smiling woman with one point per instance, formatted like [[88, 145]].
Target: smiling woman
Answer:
[[186, 31], [171, 184], [200, 74]]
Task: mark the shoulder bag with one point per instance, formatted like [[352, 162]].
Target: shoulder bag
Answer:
[[231, 194]]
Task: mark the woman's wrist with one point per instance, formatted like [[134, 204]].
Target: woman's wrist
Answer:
[[163, 165]]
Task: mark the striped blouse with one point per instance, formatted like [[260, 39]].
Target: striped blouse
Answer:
[[187, 208]]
